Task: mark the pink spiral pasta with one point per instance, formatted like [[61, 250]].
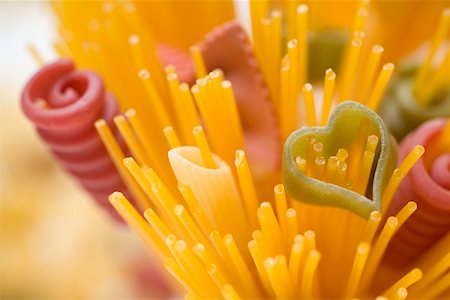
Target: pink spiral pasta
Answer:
[[63, 104], [428, 184]]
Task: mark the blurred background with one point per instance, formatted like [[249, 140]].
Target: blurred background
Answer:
[[54, 242]]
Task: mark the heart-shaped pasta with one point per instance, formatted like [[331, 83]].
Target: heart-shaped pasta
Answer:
[[346, 124]]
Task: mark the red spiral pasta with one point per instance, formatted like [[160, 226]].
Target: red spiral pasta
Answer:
[[63, 104], [429, 187]]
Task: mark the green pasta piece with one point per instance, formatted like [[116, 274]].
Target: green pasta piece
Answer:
[[403, 113], [341, 132]]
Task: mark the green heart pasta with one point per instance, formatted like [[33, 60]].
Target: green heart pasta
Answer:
[[343, 131]]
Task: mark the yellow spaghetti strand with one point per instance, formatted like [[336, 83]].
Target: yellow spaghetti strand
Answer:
[[216, 275], [440, 144], [308, 94], [255, 250], [342, 154], [349, 71], [367, 162], [189, 224], [270, 227], [176, 271], [60, 47], [274, 76], [432, 275], [137, 223], [288, 105], [186, 113], [290, 12], [130, 139], [369, 73], [295, 259], [293, 86], [175, 94], [302, 39], [265, 25], [341, 177], [319, 167], [312, 261], [258, 10], [36, 55], [310, 240], [329, 83], [281, 207], [202, 144], [399, 174], [356, 152], [362, 253], [401, 294], [229, 293], [371, 227], [391, 188], [283, 273], [406, 212], [360, 19], [441, 77], [301, 163], [405, 282], [170, 71], [248, 190], [318, 149], [380, 86], [117, 155], [158, 107], [378, 250], [276, 278], [171, 242], [195, 208], [232, 114], [372, 142], [138, 175], [171, 137], [199, 63], [440, 286], [191, 296], [207, 256], [291, 223], [439, 36], [148, 140], [217, 241], [241, 267], [164, 196], [196, 269], [331, 171], [310, 155], [158, 225]]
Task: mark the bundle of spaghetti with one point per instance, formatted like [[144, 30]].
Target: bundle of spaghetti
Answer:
[[424, 93], [227, 48], [428, 184], [63, 103], [98, 32], [285, 75], [203, 247], [111, 30], [226, 52]]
